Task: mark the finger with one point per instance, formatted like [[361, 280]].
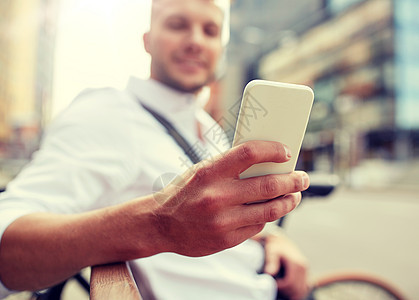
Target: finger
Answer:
[[272, 264], [242, 234], [257, 189], [269, 211], [243, 156]]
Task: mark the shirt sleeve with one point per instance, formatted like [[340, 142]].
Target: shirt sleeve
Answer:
[[85, 159]]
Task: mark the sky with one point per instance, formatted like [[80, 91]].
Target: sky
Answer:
[[98, 44]]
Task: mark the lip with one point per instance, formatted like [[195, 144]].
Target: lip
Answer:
[[190, 64]]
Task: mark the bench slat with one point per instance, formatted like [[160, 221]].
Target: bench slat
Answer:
[[113, 281]]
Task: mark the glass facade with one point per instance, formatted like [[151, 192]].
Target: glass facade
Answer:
[[360, 57], [27, 44], [349, 62], [337, 6], [407, 63]]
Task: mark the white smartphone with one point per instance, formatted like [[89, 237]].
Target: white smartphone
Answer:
[[274, 111]]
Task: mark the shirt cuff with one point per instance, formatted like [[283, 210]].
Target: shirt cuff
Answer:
[[8, 216]]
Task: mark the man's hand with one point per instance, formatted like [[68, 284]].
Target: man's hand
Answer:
[[282, 255], [204, 212], [210, 208]]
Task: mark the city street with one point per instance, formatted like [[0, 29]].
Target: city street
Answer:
[[373, 231]]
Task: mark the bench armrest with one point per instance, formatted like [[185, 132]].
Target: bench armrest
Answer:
[[113, 281]]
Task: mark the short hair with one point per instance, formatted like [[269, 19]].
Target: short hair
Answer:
[[224, 5]]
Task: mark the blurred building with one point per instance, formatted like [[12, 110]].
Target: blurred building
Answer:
[[360, 58], [27, 40]]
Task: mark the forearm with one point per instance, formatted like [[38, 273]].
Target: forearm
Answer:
[[41, 249]]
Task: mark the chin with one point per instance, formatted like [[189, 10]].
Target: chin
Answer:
[[188, 86], [191, 88], [188, 82]]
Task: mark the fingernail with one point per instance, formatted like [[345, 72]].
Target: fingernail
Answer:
[[305, 181], [287, 151]]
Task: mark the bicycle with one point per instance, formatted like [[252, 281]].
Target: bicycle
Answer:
[[355, 286], [347, 285]]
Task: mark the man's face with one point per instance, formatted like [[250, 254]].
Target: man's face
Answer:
[[184, 42]]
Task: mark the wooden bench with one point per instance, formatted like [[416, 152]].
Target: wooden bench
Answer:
[[113, 281]]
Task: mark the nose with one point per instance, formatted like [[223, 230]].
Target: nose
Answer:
[[195, 39]]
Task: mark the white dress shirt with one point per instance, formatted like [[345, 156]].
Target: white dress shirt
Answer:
[[106, 149]]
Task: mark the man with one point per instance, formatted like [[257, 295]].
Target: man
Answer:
[[77, 203]]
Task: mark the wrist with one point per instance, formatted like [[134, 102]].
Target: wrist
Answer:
[[141, 233]]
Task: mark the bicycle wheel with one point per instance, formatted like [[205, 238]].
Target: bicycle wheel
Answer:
[[355, 286]]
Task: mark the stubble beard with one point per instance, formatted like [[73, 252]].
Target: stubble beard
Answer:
[[163, 75]]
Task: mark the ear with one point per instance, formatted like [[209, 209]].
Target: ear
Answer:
[[146, 41]]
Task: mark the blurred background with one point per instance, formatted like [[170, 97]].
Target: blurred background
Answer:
[[359, 56]]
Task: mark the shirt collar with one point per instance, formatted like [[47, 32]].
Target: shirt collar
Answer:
[[162, 98]]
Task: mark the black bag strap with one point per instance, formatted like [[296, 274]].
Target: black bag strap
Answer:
[[172, 131]]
